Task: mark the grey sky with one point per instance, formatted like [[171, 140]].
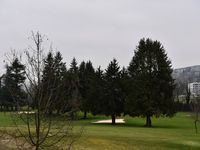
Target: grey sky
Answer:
[[102, 29]]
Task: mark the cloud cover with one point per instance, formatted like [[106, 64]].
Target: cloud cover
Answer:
[[102, 29]]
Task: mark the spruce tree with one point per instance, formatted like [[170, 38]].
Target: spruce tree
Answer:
[[48, 82], [96, 92], [83, 86], [14, 79], [151, 84], [124, 84], [74, 67], [89, 79], [73, 79], [60, 71], [86, 79], [113, 102], [54, 72]]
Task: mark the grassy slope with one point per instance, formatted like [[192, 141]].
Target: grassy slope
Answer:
[[166, 134]]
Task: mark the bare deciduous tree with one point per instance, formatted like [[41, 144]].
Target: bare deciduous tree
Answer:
[[42, 129]]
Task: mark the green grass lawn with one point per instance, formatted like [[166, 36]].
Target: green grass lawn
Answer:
[[175, 133], [166, 134]]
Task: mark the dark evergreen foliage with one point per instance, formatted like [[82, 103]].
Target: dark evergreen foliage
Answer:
[[145, 88], [12, 93], [60, 71], [113, 102], [53, 82], [74, 67], [97, 92], [74, 92], [86, 78], [151, 84]]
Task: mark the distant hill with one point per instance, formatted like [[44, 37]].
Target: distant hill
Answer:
[[186, 75]]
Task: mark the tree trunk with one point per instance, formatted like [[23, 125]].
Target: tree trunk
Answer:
[[36, 147], [58, 112], [85, 115], [113, 119], [195, 125], [148, 121], [72, 115]]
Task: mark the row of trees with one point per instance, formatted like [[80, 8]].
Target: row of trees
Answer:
[[144, 88]]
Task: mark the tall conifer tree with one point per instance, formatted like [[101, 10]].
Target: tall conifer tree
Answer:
[[60, 71], [83, 86], [53, 81], [113, 102], [14, 79], [151, 83], [86, 79], [97, 92], [73, 80]]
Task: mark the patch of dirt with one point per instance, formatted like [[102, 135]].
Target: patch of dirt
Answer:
[[3, 147], [8, 142]]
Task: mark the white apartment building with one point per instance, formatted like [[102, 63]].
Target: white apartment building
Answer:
[[194, 88]]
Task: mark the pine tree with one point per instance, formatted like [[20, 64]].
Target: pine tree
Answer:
[[74, 67], [54, 72], [124, 84], [60, 71], [14, 79], [6, 98], [86, 77], [48, 82], [113, 103], [151, 83], [73, 79], [83, 86], [97, 92]]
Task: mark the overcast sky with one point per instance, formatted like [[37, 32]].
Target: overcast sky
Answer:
[[102, 29]]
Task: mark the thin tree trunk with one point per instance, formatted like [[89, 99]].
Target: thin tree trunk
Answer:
[[72, 115], [113, 119], [195, 124], [37, 147], [148, 121], [85, 115], [58, 112]]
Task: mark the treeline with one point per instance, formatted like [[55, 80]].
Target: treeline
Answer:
[[144, 88]]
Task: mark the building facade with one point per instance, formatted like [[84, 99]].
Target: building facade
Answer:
[[194, 88]]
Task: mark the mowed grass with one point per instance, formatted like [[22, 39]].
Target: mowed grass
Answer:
[[175, 133]]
